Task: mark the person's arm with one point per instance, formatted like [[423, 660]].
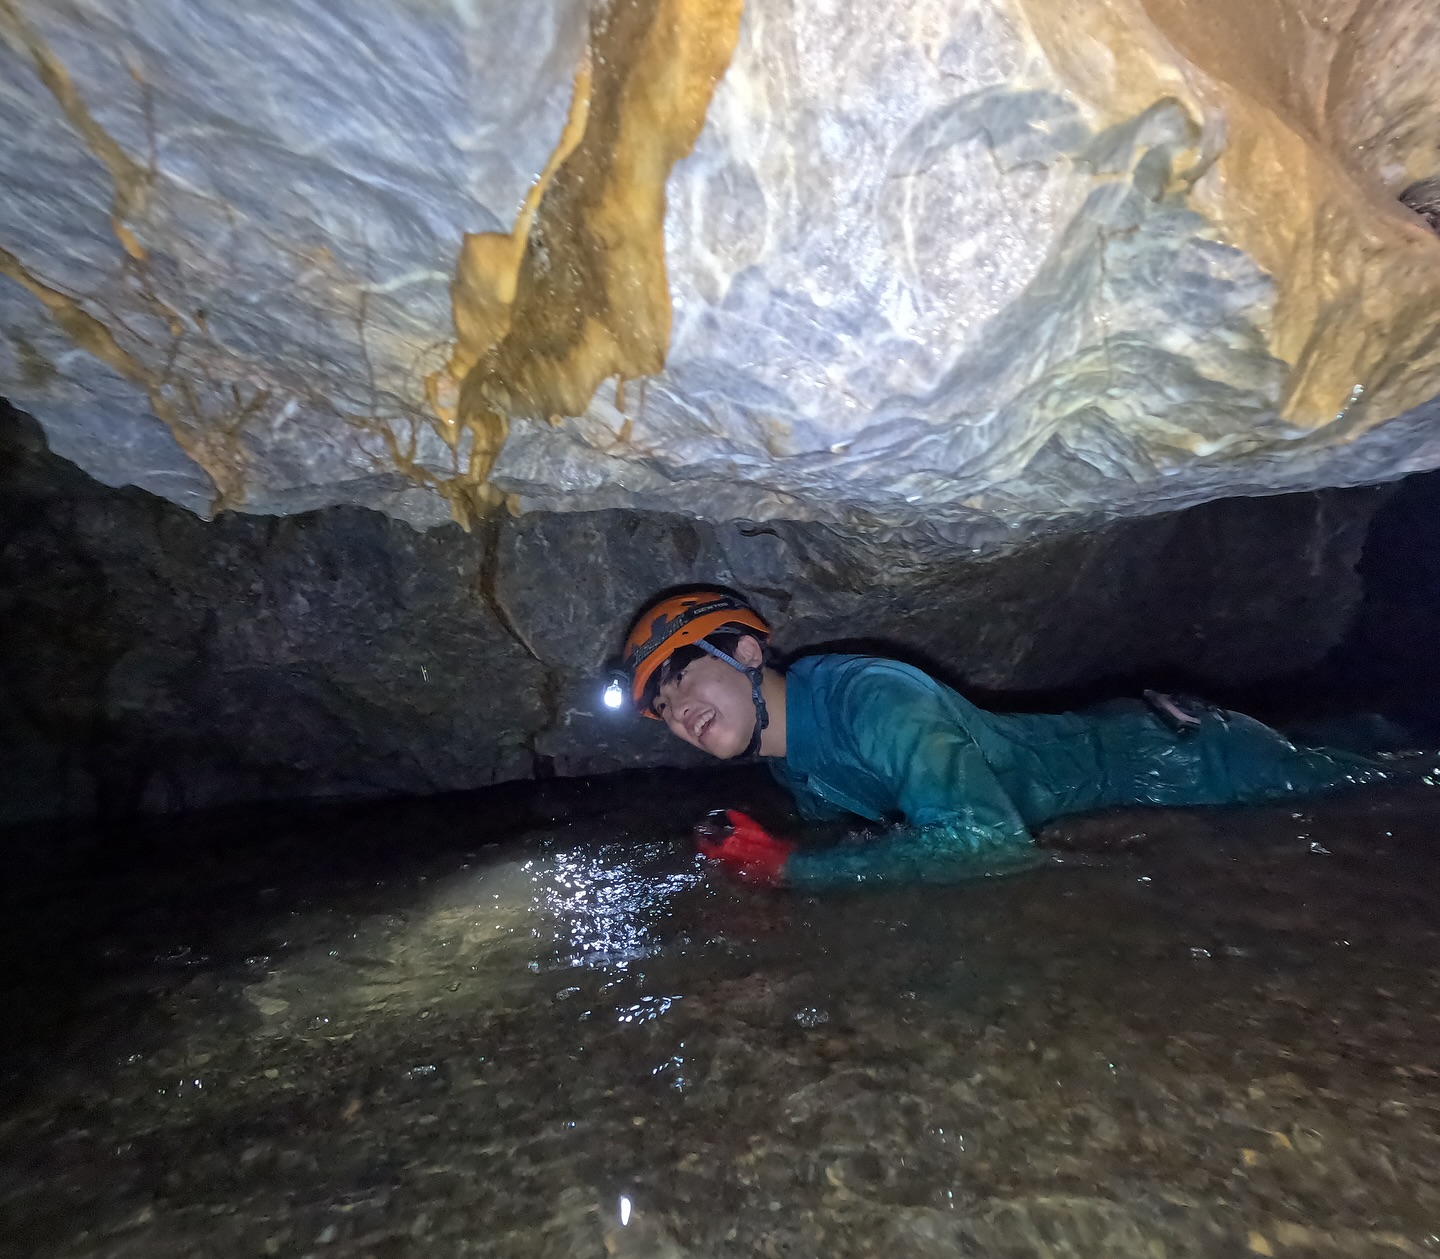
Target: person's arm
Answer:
[[944, 852]]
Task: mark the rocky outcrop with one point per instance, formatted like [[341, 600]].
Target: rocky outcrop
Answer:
[[151, 660], [989, 266]]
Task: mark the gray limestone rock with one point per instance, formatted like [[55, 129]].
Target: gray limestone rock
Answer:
[[295, 180], [935, 262]]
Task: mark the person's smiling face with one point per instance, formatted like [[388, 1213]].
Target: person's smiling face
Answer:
[[710, 706]]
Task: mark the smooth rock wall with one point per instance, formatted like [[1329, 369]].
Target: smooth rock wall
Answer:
[[150, 660], [987, 265]]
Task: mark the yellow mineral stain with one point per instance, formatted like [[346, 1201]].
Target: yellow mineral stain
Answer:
[[1282, 1141], [210, 443], [1258, 1245], [1357, 278], [131, 180], [128, 241], [1251, 1158], [220, 458], [590, 297], [483, 291]]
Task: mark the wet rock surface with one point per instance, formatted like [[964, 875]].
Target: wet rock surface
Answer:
[[525, 1022], [151, 661], [976, 262]]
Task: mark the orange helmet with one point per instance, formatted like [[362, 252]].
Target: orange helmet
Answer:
[[673, 622]]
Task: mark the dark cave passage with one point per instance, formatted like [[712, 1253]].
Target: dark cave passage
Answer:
[[151, 662]]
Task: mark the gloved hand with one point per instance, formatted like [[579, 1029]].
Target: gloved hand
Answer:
[[744, 847]]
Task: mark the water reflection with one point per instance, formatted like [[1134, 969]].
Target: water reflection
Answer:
[[604, 907], [596, 909]]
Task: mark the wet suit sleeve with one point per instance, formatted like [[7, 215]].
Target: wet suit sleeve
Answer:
[[959, 822]]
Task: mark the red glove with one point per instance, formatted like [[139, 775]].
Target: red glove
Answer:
[[744, 847]]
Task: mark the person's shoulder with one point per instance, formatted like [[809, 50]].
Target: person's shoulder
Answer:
[[863, 679]]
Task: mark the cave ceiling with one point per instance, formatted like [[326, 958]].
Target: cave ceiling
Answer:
[[981, 266]]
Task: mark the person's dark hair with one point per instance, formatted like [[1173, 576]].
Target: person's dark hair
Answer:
[[725, 638]]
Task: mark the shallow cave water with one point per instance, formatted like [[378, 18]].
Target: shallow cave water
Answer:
[[528, 1022]]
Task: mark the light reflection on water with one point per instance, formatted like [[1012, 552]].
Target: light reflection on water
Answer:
[[477, 933], [604, 905], [646, 1009]]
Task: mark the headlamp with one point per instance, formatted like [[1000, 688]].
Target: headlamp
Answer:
[[613, 695]]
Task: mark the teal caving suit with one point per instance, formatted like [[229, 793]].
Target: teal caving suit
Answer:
[[883, 740]]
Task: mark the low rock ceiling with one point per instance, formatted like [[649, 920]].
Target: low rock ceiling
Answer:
[[989, 266]]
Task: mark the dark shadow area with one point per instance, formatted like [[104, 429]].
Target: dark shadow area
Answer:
[[1423, 196], [1388, 664], [1050, 700]]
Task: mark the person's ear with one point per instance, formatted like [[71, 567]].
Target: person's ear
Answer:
[[749, 652]]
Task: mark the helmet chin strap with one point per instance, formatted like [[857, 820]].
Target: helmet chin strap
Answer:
[[756, 676]]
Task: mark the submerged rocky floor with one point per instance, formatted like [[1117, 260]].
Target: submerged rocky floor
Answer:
[[526, 1023]]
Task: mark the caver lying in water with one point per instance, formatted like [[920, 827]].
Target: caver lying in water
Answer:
[[882, 740]]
